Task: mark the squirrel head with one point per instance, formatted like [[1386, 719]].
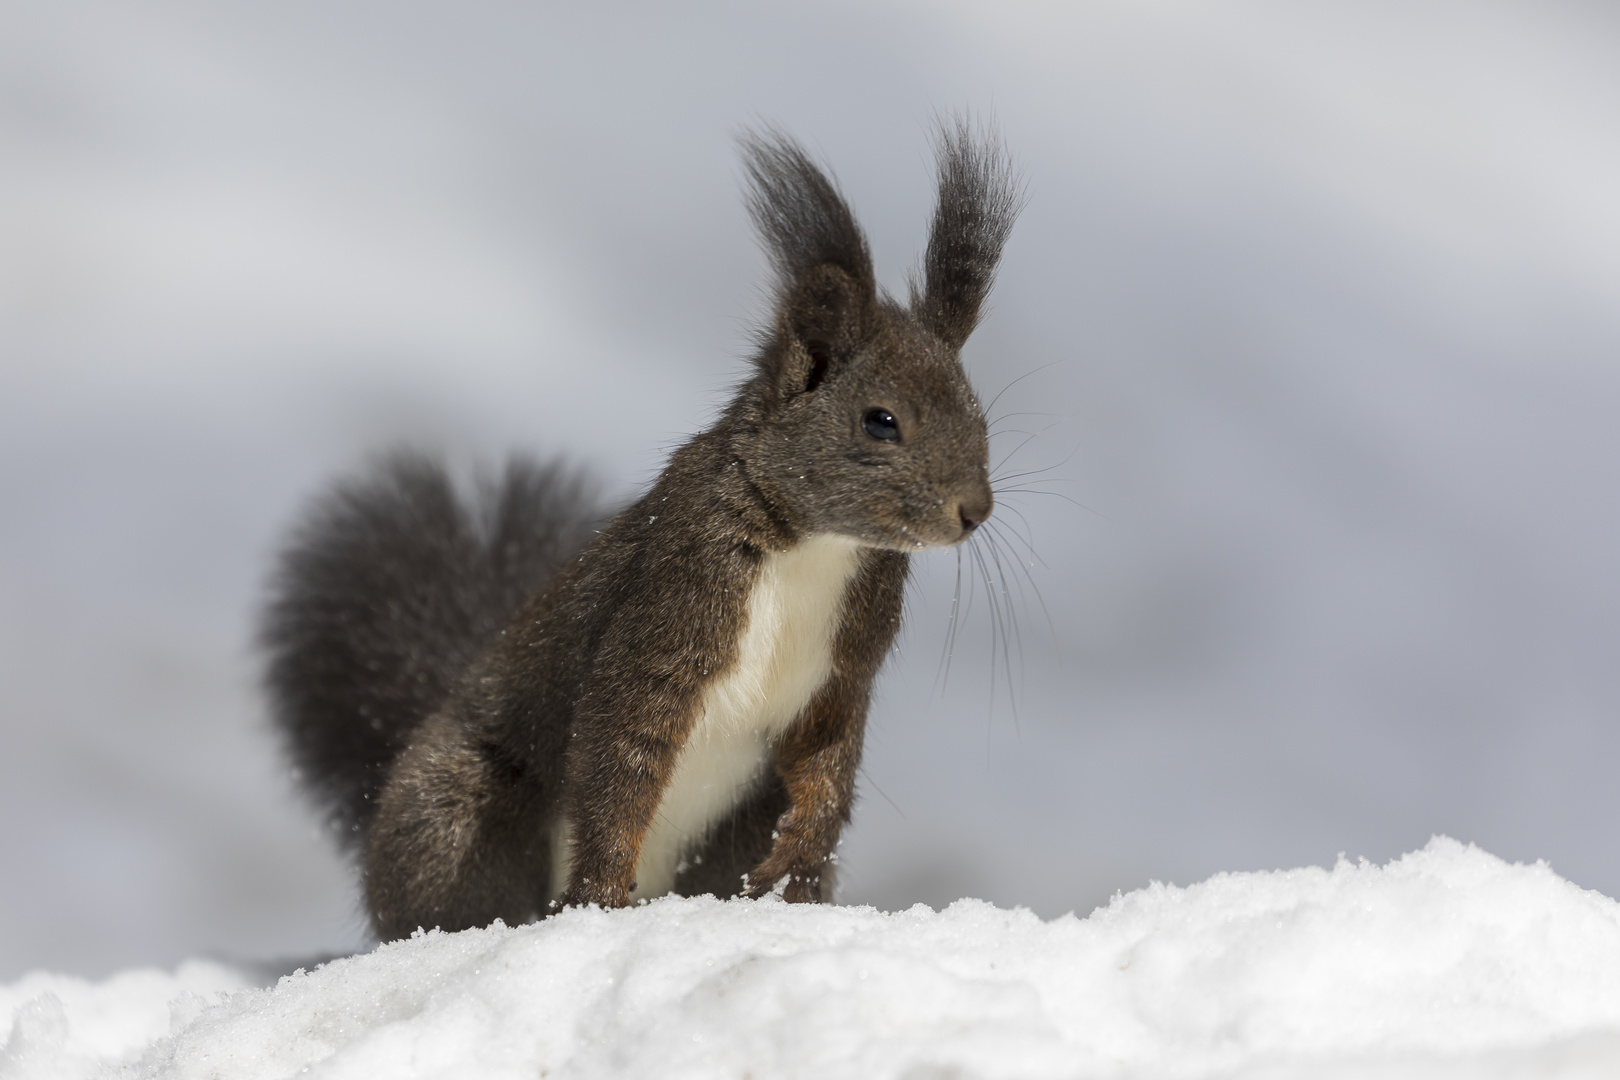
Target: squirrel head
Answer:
[[859, 420]]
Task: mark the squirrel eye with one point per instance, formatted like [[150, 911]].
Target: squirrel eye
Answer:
[[881, 425]]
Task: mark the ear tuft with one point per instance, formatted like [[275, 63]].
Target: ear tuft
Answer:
[[802, 220], [979, 198]]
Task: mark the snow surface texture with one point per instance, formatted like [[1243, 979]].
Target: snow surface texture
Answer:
[[1446, 962]]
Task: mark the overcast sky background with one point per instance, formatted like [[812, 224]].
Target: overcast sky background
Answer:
[[1316, 311]]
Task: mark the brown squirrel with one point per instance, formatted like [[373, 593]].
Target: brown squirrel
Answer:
[[506, 713]]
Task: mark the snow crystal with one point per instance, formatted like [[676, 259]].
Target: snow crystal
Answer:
[[1446, 962]]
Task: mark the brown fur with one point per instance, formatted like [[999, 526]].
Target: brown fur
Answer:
[[582, 705]]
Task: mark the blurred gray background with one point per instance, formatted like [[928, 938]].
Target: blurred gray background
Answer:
[[1313, 313]]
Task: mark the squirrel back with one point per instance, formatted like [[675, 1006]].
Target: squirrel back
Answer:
[[509, 718]]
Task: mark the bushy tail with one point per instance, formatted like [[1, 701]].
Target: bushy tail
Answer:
[[391, 588]]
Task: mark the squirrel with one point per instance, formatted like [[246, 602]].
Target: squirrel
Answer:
[[506, 712]]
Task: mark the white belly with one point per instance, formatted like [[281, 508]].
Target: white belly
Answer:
[[783, 657]]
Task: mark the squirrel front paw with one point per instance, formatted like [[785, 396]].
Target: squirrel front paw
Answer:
[[795, 887], [601, 893]]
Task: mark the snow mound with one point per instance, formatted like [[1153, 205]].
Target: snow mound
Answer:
[[1447, 962]]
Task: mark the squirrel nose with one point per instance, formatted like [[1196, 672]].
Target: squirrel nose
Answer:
[[973, 511]]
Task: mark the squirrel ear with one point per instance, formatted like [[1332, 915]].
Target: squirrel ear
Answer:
[[825, 288], [979, 197], [819, 323]]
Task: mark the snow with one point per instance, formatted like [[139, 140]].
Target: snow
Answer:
[[1444, 962]]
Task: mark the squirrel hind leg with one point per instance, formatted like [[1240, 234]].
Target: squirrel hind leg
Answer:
[[460, 837]]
